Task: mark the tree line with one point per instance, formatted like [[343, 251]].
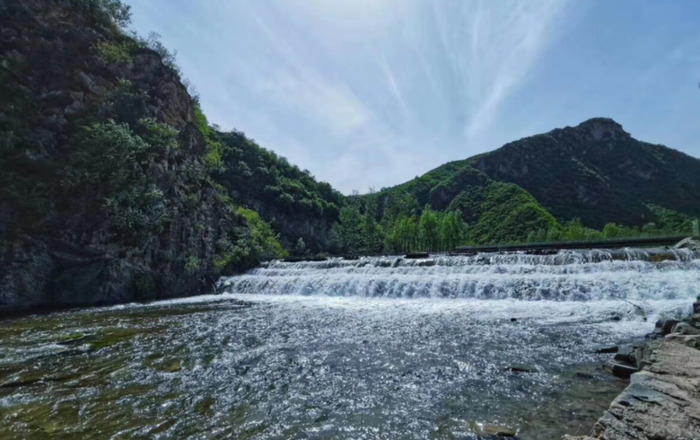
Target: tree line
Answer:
[[400, 226]]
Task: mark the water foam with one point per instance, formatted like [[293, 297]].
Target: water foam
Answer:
[[566, 276]]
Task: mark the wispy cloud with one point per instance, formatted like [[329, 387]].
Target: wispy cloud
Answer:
[[366, 93], [296, 83], [505, 39]]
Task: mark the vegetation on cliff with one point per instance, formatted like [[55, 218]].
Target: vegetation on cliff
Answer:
[[107, 175]]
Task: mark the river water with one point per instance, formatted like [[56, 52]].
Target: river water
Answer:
[[375, 348]]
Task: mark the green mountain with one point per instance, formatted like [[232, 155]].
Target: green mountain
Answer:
[[598, 173], [113, 187], [589, 181]]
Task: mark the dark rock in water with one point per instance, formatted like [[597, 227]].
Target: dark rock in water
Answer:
[[298, 259], [631, 355], [623, 371], [496, 431], [695, 319], [513, 319], [483, 260], [623, 354], [417, 255], [608, 350], [519, 369], [542, 251], [664, 327]]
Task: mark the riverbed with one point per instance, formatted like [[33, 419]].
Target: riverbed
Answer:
[[370, 348]]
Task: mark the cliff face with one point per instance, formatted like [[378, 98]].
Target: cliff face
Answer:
[[597, 172], [103, 196]]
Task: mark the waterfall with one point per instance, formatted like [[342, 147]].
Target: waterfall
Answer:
[[651, 274]]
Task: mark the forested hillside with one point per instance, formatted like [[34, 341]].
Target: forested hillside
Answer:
[[298, 207], [592, 181], [112, 185], [598, 173]]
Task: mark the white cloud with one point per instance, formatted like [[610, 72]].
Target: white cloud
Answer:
[[506, 38], [366, 92]]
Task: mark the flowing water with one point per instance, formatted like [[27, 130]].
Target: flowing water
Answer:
[[384, 348]]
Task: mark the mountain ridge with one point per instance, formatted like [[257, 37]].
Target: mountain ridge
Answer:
[[591, 176]]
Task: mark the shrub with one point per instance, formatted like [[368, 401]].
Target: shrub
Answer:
[[112, 52]]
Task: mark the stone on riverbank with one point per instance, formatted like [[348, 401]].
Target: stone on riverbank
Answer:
[[662, 401], [498, 431]]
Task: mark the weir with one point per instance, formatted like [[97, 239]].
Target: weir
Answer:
[[564, 276]]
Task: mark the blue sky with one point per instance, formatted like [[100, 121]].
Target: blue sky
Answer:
[[371, 93]]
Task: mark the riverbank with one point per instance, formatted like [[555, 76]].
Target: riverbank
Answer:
[[662, 400]]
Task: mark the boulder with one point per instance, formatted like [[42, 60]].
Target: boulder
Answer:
[[623, 371], [498, 431], [684, 328], [664, 326], [661, 402], [608, 350], [417, 256]]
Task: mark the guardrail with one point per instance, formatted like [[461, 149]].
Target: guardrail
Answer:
[[599, 244]]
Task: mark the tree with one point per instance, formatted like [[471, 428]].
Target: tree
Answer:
[[429, 229], [349, 229], [611, 230], [452, 230], [371, 235], [402, 236]]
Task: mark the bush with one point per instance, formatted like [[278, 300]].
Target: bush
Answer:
[[114, 53]]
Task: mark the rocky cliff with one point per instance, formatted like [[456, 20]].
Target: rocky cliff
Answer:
[[104, 196]]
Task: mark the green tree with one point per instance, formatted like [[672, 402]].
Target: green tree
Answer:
[[350, 229], [611, 230], [372, 236], [429, 229], [452, 230]]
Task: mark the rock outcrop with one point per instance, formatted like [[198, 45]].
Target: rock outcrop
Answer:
[[662, 401], [103, 194]]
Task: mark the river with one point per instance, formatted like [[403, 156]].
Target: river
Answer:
[[373, 348]]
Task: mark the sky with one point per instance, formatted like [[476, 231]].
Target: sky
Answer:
[[371, 93]]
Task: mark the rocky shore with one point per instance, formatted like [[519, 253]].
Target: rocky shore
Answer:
[[662, 401]]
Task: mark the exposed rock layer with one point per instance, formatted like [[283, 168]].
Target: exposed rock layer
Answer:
[[662, 401]]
